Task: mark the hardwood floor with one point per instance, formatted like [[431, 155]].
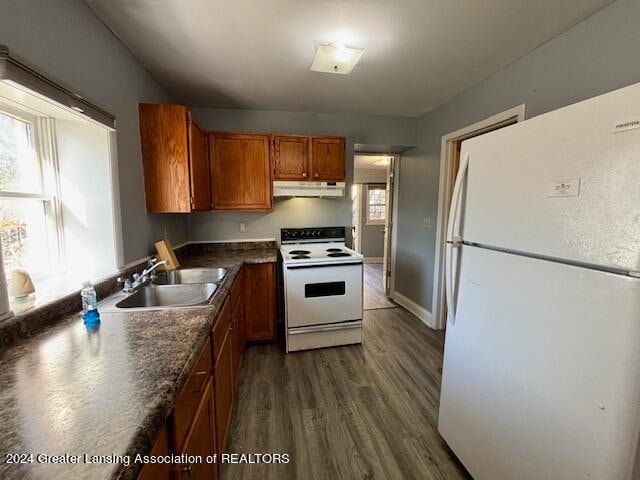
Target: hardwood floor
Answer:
[[374, 296], [358, 412]]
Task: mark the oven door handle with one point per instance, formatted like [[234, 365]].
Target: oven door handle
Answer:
[[323, 265], [324, 328]]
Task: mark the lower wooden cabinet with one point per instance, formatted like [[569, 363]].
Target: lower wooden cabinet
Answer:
[[190, 397], [200, 441], [260, 302], [200, 422], [237, 343], [155, 471], [223, 381]]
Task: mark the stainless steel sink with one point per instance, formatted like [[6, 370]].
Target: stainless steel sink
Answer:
[[166, 296], [186, 276]]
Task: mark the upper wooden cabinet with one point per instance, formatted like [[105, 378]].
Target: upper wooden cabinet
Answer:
[[327, 158], [199, 156], [298, 157], [291, 157], [240, 171], [175, 159]]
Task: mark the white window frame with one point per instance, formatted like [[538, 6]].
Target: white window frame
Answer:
[[368, 220], [43, 130]]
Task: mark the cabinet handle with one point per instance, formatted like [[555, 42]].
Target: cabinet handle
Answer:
[[304, 174], [204, 382], [317, 174], [186, 470]]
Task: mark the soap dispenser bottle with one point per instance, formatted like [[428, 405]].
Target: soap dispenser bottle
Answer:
[[89, 297], [90, 313]]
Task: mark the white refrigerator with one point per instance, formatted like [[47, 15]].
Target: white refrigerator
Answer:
[[541, 376]]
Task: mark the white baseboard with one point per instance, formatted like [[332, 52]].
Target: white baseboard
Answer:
[[373, 259], [422, 313]]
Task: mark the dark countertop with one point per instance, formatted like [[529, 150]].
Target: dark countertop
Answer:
[[71, 391]]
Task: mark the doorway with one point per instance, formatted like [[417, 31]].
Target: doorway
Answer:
[[373, 209], [449, 163]]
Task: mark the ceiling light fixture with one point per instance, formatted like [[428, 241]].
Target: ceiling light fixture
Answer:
[[336, 58], [383, 161]]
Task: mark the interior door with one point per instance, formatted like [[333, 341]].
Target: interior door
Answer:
[[541, 371], [199, 166], [388, 226], [327, 158], [291, 157]]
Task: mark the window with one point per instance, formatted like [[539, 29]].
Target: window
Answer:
[[58, 185], [376, 204], [28, 227], [56, 195]]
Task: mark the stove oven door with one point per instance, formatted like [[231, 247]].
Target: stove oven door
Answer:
[[323, 294]]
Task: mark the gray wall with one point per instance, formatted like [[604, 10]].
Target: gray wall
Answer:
[[295, 212], [370, 175], [598, 55], [65, 41]]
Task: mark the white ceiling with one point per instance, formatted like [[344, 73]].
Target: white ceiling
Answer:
[[366, 162], [257, 53]]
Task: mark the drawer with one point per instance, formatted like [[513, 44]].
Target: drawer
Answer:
[[236, 290], [220, 329], [191, 394]]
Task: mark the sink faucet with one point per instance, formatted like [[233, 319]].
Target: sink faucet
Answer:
[[152, 265], [139, 279]]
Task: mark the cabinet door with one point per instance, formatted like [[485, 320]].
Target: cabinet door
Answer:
[[158, 471], [236, 344], [327, 158], [260, 306], [199, 165], [163, 135], [223, 393], [200, 441], [240, 172], [291, 155]]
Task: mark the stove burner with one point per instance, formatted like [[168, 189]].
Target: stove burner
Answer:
[[339, 254], [300, 257], [299, 252], [334, 249]]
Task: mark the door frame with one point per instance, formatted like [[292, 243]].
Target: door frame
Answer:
[[356, 203], [391, 232], [394, 176], [445, 189]]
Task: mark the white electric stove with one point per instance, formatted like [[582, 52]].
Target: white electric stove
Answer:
[[322, 288]]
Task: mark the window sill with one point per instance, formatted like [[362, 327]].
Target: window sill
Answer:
[[53, 288]]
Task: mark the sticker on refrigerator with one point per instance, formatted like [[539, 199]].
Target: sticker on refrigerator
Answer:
[[629, 124], [564, 188]]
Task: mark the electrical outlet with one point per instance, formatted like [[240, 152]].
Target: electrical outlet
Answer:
[[427, 222], [243, 227]]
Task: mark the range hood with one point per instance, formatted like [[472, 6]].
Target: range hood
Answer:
[[308, 189]]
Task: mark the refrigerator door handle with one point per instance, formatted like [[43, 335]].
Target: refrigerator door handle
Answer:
[[452, 234], [454, 241]]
